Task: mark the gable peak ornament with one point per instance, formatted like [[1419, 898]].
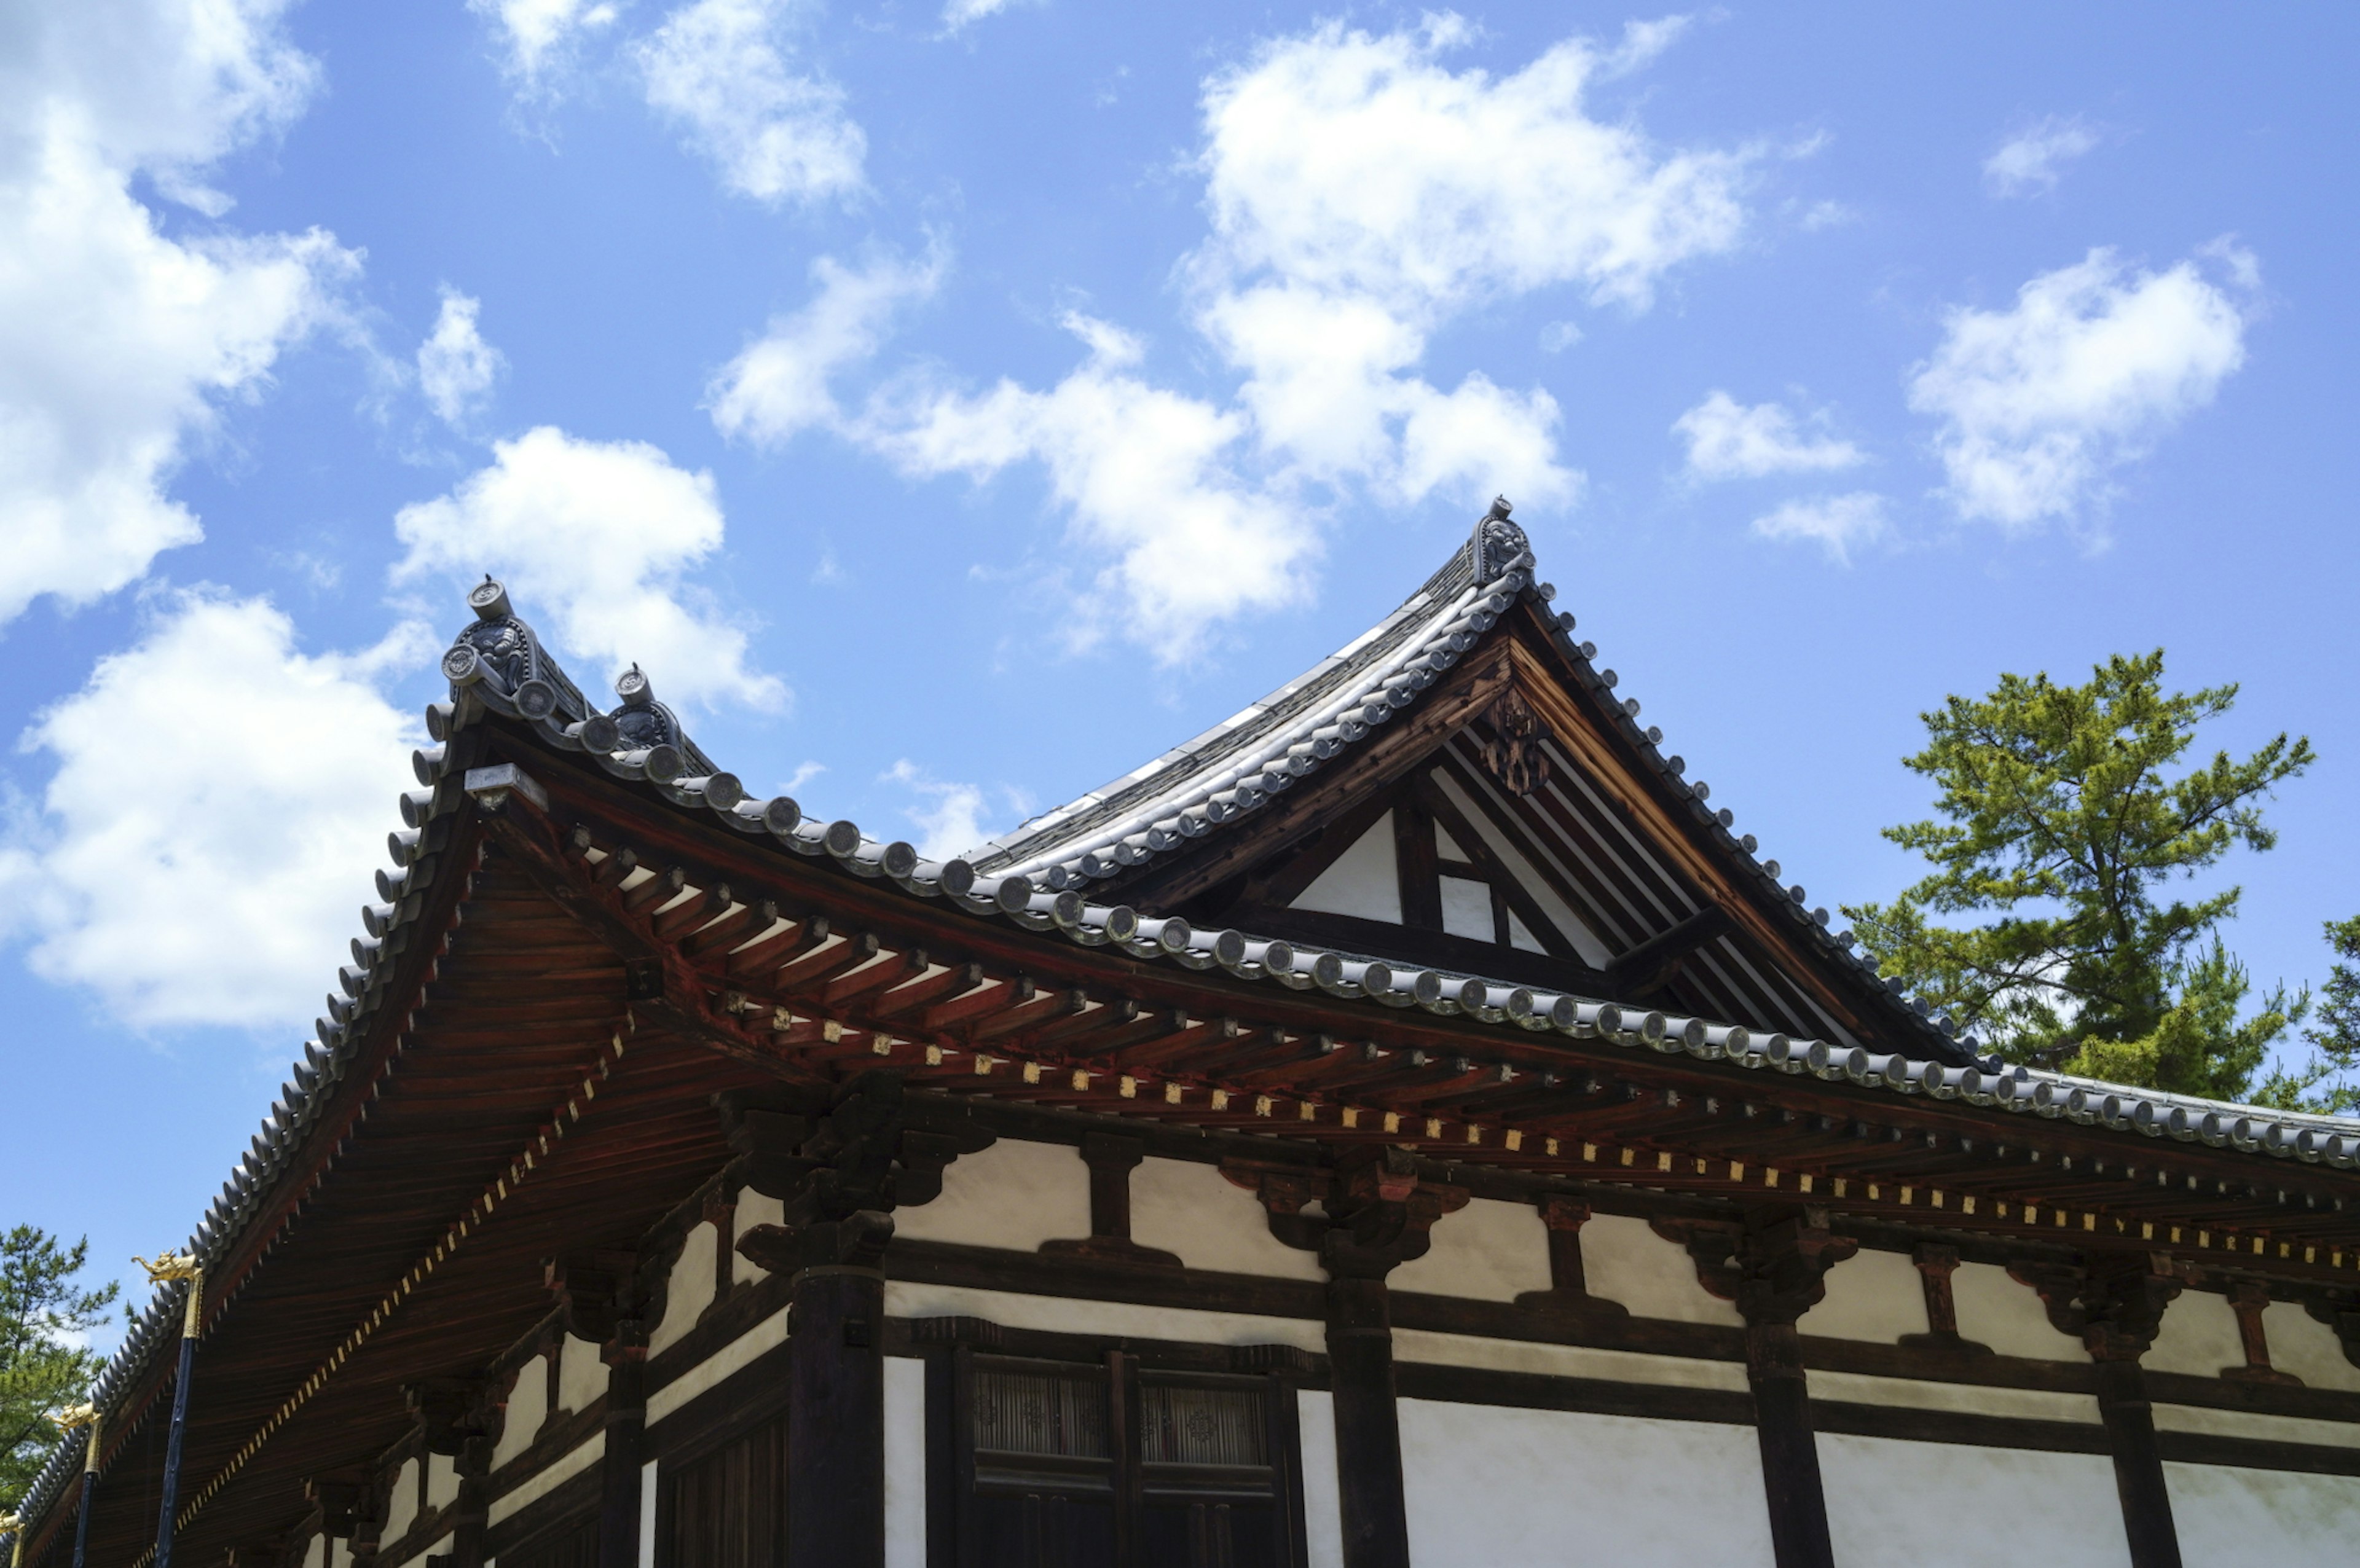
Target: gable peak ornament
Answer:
[[1499, 543]]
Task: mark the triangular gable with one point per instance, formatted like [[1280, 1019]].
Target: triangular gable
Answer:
[[1459, 788]]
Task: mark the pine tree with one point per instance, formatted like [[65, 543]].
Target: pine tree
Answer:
[[2063, 821], [42, 1368]]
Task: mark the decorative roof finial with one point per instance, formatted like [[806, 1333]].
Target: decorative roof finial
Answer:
[[488, 600], [1497, 541], [632, 687]]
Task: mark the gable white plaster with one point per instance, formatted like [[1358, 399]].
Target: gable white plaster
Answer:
[[1209, 1221], [1528, 877], [1013, 1195], [1872, 1295], [2302, 1344], [691, 1289], [2198, 1336], [442, 1481], [1624, 1260], [528, 1408], [1995, 1311], [1490, 1251], [1365, 880]]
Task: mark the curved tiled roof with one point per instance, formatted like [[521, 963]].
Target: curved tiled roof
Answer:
[[497, 666]]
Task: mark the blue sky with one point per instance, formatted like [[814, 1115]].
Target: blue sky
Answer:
[[954, 409]]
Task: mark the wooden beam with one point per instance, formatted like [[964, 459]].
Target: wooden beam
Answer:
[[1649, 967]]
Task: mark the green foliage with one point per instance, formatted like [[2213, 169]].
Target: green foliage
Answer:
[[2335, 1037], [2061, 818], [42, 1369]]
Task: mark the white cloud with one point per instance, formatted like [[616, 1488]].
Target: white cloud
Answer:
[[2041, 402], [594, 538], [538, 35], [1728, 439], [118, 345], [779, 386], [957, 13], [455, 366], [1839, 523], [1148, 477], [953, 819], [2031, 161], [104, 874], [719, 68]]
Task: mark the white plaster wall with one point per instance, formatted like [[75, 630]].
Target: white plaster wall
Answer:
[[316, 1554], [401, 1511], [442, 1481], [1210, 1221], [690, 1290], [1569, 1360], [753, 1210], [580, 1376], [1013, 1195], [2031, 1404], [2226, 1514], [528, 1407], [2303, 1345], [1871, 1295], [426, 1557], [1503, 1488], [905, 1300], [1995, 1311], [1363, 880], [1892, 1501], [546, 1479], [1489, 1250], [768, 1334], [1625, 1261], [2216, 1423], [1323, 1506], [2198, 1336], [905, 1463]]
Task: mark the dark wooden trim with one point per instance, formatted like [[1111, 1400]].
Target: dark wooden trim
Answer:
[[1414, 859], [746, 1398], [1504, 883], [566, 1506], [1433, 949], [2139, 1464], [1586, 1396], [1651, 966]]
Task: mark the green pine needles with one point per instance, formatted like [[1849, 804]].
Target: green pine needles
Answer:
[[2064, 821]]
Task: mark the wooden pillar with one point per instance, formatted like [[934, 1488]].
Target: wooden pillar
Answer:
[[1773, 1267], [625, 1356], [1936, 1263], [840, 1175], [1112, 1158], [2114, 1303], [1379, 1216]]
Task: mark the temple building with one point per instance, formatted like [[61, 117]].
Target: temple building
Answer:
[[1408, 1122]]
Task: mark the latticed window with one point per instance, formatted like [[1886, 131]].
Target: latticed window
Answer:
[[1065, 1465]]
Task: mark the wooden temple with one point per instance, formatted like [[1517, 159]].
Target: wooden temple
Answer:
[[1405, 1124]]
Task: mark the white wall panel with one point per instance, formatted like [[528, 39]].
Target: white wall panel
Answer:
[[1626, 1261], [580, 1376], [1872, 1295], [1069, 1315], [1504, 1489], [1489, 1250], [1997, 1311], [528, 1407], [905, 1462], [1210, 1221], [2303, 1345], [2198, 1336], [1891, 1501], [690, 1290], [753, 1210], [1013, 1194], [2226, 1514], [1323, 1518]]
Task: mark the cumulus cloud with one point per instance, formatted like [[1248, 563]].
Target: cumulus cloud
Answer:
[[2040, 403], [595, 540], [537, 36], [958, 14], [951, 821], [2030, 162], [117, 344], [215, 889], [1147, 475], [1837, 524], [455, 366], [720, 70], [780, 385], [1362, 195], [1728, 439]]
